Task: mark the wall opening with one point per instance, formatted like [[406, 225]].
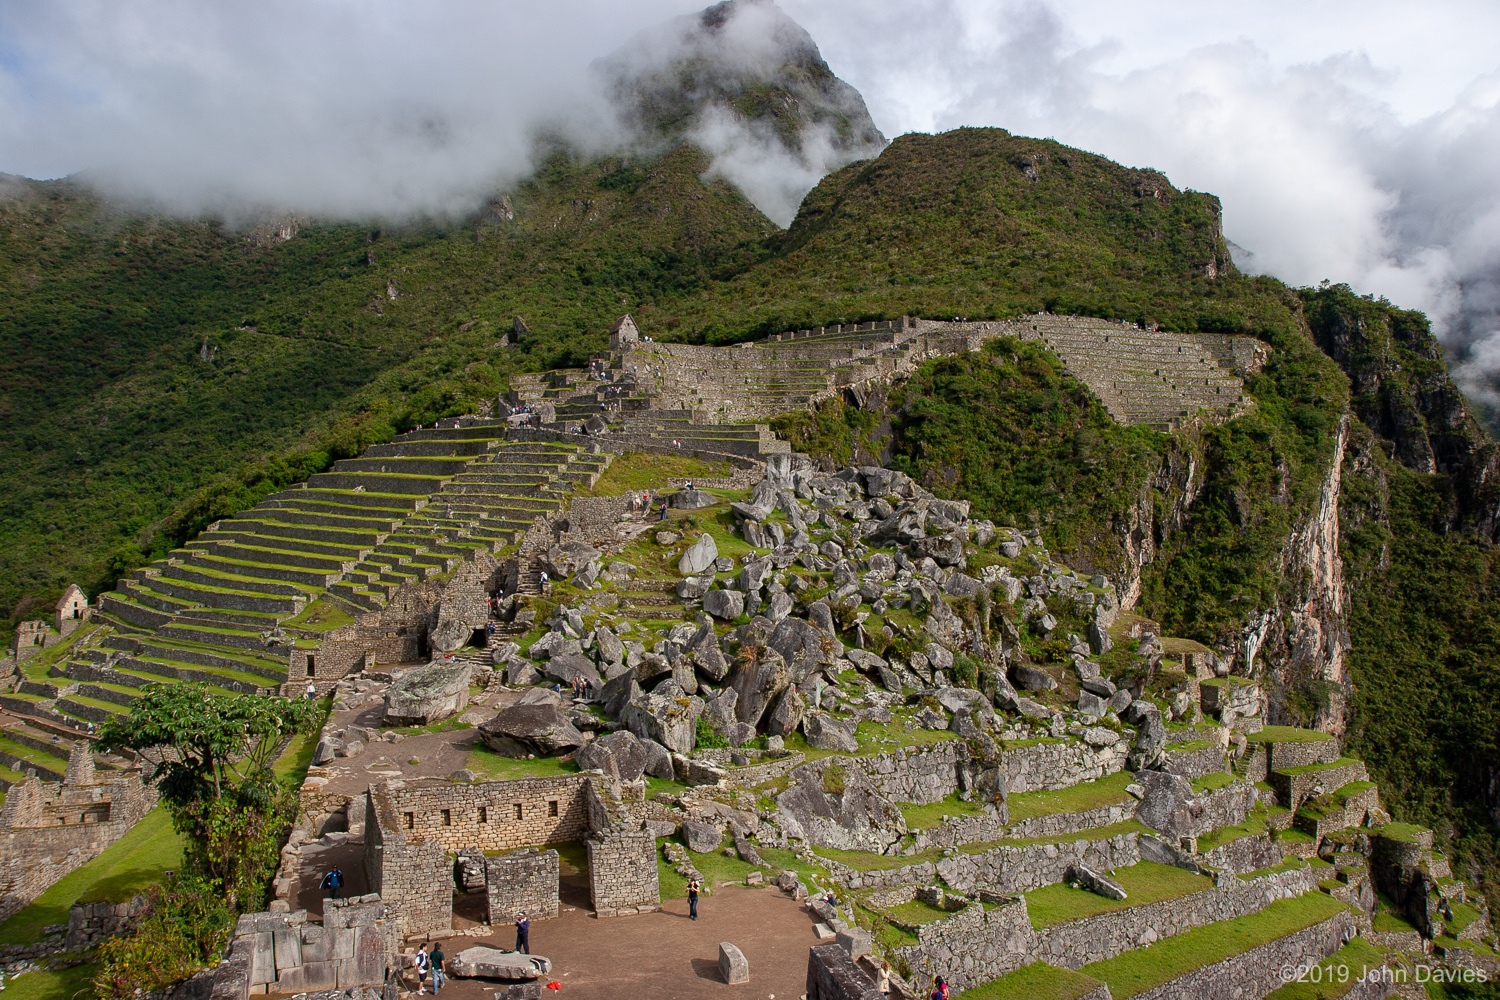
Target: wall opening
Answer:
[[411, 823]]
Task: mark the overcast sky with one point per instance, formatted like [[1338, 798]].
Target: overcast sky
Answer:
[[1355, 141]]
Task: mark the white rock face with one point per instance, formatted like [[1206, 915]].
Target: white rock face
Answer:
[[699, 557]]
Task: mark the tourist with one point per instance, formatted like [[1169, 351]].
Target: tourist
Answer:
[[439, 974], [523, 933], [312, 691], [940, 989], [333, 882], [693, 899], [422, 962], [883, 983], [663, 512]]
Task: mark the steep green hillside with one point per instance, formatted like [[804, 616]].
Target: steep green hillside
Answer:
[[143, 358]]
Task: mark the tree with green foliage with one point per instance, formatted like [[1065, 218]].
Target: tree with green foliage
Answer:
[[215, 777], [186, 925]]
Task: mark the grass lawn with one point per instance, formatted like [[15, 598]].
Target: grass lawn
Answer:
[[1144, 882], [130, 865], [321, 615], [635, 471], [492, 767], [1212, 782], [36, 667], [1097, 833], [915, 913], [921, 817], [1254, 823], [1038, 981], [1079, 798], [64, 985], [1145, 968], [1336, 976]]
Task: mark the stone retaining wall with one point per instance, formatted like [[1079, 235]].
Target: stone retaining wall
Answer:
[[1247, 854], [833, 975], [1079, 942], [1257, 972], [90, 923], [1057, 824], [1008, 870], [920, 775], [1051, 766]]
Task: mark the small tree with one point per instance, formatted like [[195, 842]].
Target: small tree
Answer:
[[215, 776]]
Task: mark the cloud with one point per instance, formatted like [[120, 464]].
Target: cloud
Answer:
[[1353, 143]]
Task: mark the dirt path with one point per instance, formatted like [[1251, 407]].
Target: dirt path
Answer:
[[666, 956]]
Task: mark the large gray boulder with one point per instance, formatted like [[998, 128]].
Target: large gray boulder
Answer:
[[567, 558], [480, 962], [570, 667], [803, 646], [757, 681], [701, 837], [542, 729], [620, 752], [450, 635], [784, 719], [672, 722], [658, 760], [831, 804], [699, 556], [693, 499], [825, 732], [429, 694], [724, 604]]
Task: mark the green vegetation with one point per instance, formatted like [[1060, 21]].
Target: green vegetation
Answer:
[[1075, 798], [921, 817], [1038, 981], [492, 767], [1144, 883], [1287, 734], [1212, 782], [64, 984], [637, 471], [128, 866], [1336, 975], [1143, 968], [915, 913]]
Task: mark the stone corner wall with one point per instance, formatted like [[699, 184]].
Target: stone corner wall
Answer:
[[833, 975], [413, 878], [622, 873], [525, 880]]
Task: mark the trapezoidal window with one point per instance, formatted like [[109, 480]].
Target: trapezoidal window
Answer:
[[551, 807], [518, 810]]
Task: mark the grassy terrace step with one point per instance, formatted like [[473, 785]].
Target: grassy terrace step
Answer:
[[239, 569], [156, 671], [221, 597], [377, 482], [245, 621], [436, 468], [213, 578], [200, 655], [276, 529], [207, 636], [366, 499], [267, 555], [430, 449], [1145, 883], [1083, 797], [1146, 968], [1038, 981], [19, 756], [283, 543]]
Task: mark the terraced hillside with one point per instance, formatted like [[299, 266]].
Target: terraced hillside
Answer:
[[227, 609]]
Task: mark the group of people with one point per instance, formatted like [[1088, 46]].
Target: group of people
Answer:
[[431, 963], [583, 688]]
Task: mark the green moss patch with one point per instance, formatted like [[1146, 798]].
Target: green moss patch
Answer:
[[1077, 798]]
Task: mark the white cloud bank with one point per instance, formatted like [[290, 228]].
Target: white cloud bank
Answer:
[[1354, 141]]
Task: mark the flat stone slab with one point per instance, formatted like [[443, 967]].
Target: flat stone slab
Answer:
[[480, 962]]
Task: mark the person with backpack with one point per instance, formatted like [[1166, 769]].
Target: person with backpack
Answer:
[[439, 974], [422, 964], [523, 933], [333, 882]]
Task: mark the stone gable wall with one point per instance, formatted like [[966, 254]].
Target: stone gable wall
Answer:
[[414, 879], [622, 873], [523, 881]]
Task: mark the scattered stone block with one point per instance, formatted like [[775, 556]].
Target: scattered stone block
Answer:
[[732, 964]]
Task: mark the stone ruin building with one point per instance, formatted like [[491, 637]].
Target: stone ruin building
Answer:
[[48, 829]]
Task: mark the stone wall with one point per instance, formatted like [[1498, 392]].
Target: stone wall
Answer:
[[1056, 824], [974, 945], [284, 953], [1009, 870], [525, 880], [1257, 972], [90, 923], [1051, 766], [919, 775], [1079, 942], [492, 815], [397, 633], [622, 873], [1246, 854], [465, 602], [413, 878], [48, 829], [596, 517], [833, 975]]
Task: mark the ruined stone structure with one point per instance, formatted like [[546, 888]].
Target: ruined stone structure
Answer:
[[412, 829], [354, 946], [71, 610], [31, 638], [47, 829]]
